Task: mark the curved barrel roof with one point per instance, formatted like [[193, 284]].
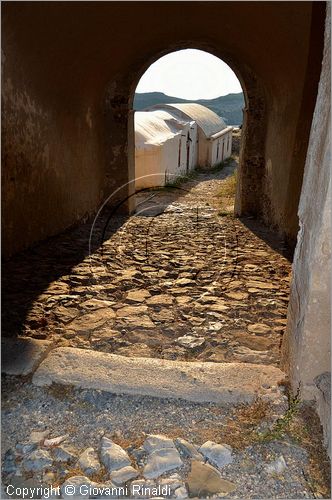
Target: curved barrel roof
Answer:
[[155, 127], [207, 120]]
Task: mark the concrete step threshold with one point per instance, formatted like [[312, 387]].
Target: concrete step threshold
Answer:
[[191, 381], [88, 369]]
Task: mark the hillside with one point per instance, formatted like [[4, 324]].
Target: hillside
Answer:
[[229, 107]]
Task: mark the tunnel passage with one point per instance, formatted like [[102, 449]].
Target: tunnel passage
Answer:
[[67, 110]]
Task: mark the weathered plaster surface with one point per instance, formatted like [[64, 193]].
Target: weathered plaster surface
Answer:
[[307, 343]]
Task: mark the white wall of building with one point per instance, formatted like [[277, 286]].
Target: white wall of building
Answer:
[[220, 147], [158, 164]]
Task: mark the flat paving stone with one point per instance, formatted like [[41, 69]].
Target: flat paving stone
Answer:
[[195, 381], [22, 356]]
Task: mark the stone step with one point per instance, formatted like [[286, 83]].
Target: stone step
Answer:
[[191, 381]]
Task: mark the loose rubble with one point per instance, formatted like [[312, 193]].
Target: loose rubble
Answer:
[[204, 480], [126, 433], [113, 456], [88, 462], [218, 454], [152, 471]]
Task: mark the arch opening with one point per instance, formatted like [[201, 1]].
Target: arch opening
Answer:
[[250, 197], [186, 106]]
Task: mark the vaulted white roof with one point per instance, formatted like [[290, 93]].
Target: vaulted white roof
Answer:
[[207, 120], [156, 127]]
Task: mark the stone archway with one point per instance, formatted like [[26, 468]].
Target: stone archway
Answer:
[[250, 198]]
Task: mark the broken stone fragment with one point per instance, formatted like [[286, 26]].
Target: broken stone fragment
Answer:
[[123, 475], [160, 461], [190, 341], [257, 343], [137, 296], [218, 454], [160, 300], [49, 477], [277, 466], [246, 355], [157, 442], [172, 482], [187, 449], [260, 284], [184, 282], [9, 465], [204, 480], [181, 492], [25, 448], [94, 304], [237, 295], [113, 456], [64, 454], [218, 307], [38, 436], [76, 487], [143, 322], [138, 487], [126, 311], [88, 462], [48, 443], [37, 461], [259, 328], [21, 356]]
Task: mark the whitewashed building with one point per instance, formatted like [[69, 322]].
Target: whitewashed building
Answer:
[[214, 137], [173, 139], [165, 148]]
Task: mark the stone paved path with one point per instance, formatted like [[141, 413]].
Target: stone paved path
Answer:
[[177, 280]]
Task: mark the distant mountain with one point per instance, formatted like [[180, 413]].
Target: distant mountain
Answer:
[[229, 107]]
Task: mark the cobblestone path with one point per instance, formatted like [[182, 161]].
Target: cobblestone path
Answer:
[[177, 280]]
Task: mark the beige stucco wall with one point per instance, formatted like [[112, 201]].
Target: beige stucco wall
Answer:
[[203, 150], [148, 171]]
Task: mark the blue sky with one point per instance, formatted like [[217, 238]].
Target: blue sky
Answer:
[[189, 74]]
